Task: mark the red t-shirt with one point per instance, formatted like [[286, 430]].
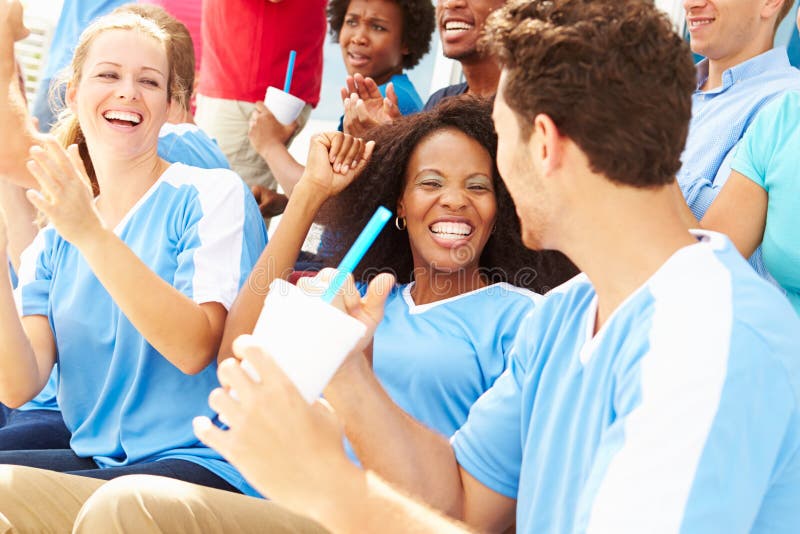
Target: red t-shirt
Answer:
[[246, 46]]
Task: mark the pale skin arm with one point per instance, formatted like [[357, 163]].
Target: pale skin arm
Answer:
[[187, 334], [21, 219], [334, 160], [740, 212], [269, 137], [19, 131], [27, 349], [399, 448], [280, 450]]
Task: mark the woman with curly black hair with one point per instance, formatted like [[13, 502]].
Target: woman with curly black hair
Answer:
[[378, 39], [463, 274]]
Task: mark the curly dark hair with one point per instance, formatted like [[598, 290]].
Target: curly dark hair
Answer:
[[612, 75], [504, 259], [419, 21]]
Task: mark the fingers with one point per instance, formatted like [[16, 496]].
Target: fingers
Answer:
[[377, 293], [390, 104], [49, 187], [370, 89], [274, 383], [211, 435], [232, 376], [350, 82], [369, 147], [229, 410]]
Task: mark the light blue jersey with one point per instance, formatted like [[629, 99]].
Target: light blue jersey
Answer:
[[768, 155], [177, 143], [680, 415], [124, 403], [436, 359], [186, 143]]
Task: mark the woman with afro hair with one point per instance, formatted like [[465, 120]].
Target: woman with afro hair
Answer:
[[378, 40]]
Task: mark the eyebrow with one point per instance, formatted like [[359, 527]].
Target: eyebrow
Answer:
[[119, 65], [370, 19]]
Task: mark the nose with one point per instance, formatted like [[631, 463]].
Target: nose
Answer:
[[688, 5], [360, 34], [453, 198], [451, 4], [127, 88]]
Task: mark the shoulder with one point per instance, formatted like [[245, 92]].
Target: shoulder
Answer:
[[445, 92]]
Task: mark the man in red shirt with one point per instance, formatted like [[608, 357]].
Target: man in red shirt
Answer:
[[246, 45]]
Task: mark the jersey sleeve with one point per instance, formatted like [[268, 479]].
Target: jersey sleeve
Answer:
[[489, 445], [762, 138], [221, 243], [686, 454], [32, 293]]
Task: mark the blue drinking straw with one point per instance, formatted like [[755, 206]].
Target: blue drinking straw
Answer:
[[357, 251], [287, 84]]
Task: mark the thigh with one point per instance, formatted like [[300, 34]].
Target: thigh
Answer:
[[156, 504], [36, 500], [177, 469], [34, 429], [61, 460]]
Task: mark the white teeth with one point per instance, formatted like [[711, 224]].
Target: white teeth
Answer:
[[457, 26], [451, 230], [123, 116], [700, 22]]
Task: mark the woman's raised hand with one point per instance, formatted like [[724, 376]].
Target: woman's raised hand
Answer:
[[65, 191], [334, 160]]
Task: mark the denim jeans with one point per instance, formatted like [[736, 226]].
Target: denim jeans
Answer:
[[66, 461], [33, 430]]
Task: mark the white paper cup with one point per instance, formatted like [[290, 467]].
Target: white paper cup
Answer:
[[284, 106], [307, 337]]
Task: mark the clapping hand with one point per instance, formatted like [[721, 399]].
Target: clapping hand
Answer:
[[65, 193], [365, 107]]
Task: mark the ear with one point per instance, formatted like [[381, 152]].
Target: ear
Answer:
[[401, 209], [70, 97], [547, 143], [771, 8]]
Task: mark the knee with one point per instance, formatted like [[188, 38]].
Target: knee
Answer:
[[133, 503]]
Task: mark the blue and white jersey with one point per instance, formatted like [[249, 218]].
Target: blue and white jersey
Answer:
[[680, 415], [124, 403], [177, 143], [435, 360], [186, 143]]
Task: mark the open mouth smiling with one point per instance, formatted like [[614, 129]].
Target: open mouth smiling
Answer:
[[452, 231], [122, 118]]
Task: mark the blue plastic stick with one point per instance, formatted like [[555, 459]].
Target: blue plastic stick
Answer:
[[357, 251], [287, 84]]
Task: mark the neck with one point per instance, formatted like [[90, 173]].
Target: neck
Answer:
[[633, 233], [716, 67], [123, 182], [432, 286], [482, 75]]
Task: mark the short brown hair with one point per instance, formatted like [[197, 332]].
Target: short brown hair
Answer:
[[612, 74], [179, 47]]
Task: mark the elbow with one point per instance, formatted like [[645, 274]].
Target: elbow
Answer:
[[14, 398], [194, 362]]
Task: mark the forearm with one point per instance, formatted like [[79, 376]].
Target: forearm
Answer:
[[277, 261], [284, 168], [20, 376], [362, 502], [19, 133], [171, 322], [20, 218], [393, 444]]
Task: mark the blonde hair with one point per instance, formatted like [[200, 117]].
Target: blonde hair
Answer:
[[67, 129], [180, 49]]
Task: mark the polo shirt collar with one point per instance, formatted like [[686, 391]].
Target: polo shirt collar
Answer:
[[774, 59]]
